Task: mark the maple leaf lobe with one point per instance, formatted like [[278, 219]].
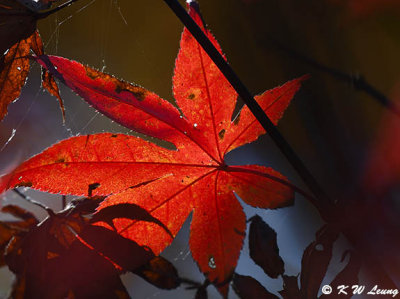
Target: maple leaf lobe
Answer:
[[169, 184]]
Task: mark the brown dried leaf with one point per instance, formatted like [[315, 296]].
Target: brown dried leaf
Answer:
[[48, 81], [51, 86], [14, 68]]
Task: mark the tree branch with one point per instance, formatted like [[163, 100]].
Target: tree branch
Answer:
[[356, 80], [323, 200], [44, 14]]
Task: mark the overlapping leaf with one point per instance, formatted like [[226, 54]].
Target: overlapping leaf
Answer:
[[8, 229], [14, 69], [51, 261], [169, 184], [18, 35], [264, 249], [17, 23], [249, 288], [315, 261]]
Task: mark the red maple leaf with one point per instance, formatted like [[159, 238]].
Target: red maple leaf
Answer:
[[169, 183]]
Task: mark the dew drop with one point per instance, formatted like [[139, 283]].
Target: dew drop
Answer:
[[195, 125], [180, 116], [18, 68], [185, 132], [211, 263]]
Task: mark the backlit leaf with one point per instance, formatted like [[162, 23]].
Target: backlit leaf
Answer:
[[169, 184], [14, 69]]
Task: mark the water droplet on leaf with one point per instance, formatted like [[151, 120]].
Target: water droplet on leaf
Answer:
[[211, 263]]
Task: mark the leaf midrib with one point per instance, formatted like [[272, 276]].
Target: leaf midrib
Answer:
[[107, 95]]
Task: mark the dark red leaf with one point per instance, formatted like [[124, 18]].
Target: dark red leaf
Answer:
[[264, 248], [348, 276], [249, 288], [9, 229], [160, 273], [315, 261], [21, 213], [17, 23], [290, 287], [123, 252], [201, 293], [50, 261], [128, 211]]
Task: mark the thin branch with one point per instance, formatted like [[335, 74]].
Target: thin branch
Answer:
[[356, 80], [44, 14], [63, 201], [34, 202], [324, 203]]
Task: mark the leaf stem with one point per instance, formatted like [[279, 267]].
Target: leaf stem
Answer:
[[324, 203]]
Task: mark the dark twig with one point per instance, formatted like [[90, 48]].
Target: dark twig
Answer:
[[44, 14], [63, 201], [34, 202], [324, 202], [356, 80], [36, 15], [192, 284]]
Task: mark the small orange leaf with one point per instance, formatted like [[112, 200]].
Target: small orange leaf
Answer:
[[14, 68]]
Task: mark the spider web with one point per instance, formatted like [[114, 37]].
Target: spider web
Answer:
[[133, 43]]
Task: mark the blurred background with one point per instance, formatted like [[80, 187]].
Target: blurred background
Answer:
[[331, 125]]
